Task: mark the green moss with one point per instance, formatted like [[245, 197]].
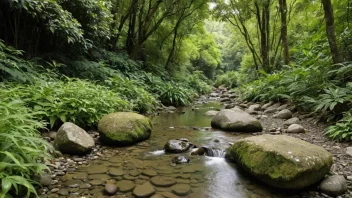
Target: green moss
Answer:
[[266, 158], [124, 128]]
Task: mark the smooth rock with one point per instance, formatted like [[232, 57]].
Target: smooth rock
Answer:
[[334, 185], [163, 181], [211, 113], [180, 160], [255, 107], [63, 192], [110, 189], [236, 120], [72, 139], [284, 114], [181, 189], [198, 151], [124, 128], [176, 146], [144, 190], [281, 161], [52, 135], [125, 185], [149, 173], [290, 121], [116, 171], [96, 169], [45, 179], [349, 151], [295, 128]]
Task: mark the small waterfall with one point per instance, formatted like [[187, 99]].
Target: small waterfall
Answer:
[[214, 152]]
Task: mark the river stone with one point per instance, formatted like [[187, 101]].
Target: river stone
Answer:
[[163, 181], [110, 189], [96, 169], [73, 183], [266, 105], [284, 114], [211, 113], [96, 182], [295, 128], [169, 195], [198, 151], [349, 151], [176, 146], [334, 185], [236, 120], [157, 196], [116, 171], [181, 189], [144, 190], [255, 107], [149, 173], [290, 121], [72, 139], [124, 128], [180, 160], [45, 179], [52, 135], [125, 185], [63, 192], [282, 107], [99, 176], [281, 161]]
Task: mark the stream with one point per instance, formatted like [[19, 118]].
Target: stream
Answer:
[[204, 176]]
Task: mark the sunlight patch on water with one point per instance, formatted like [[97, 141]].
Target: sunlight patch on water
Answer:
[[157, 152]]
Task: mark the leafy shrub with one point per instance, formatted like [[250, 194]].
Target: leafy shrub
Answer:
[[141, 100], [174, 94], [78, 101], [12, 67], [229, 79], [197, 81], [21, 148], [342, 130]]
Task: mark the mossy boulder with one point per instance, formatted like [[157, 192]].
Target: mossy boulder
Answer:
[[281, 161], [236, 120], [124, 128]]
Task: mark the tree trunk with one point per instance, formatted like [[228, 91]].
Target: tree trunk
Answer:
[[330, 31], [283, 11]]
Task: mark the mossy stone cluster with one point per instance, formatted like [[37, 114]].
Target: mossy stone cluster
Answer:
[[281, 161], [124, 128]]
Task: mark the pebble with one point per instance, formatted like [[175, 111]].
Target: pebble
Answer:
[[111, 189]]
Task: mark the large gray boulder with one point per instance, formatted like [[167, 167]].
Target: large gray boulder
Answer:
[[124, 128], [281, 161], [72, 139], [236, 120]]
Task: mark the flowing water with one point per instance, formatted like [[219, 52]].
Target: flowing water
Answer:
[[206, 176]]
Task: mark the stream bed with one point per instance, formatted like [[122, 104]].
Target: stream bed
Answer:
[[147, 163]]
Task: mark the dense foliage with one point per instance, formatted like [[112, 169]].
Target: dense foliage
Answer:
[[76, 60]]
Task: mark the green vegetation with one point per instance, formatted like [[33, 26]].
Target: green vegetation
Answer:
[[78, 60]]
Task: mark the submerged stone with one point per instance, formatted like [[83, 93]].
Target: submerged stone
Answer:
[[281, 161]]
